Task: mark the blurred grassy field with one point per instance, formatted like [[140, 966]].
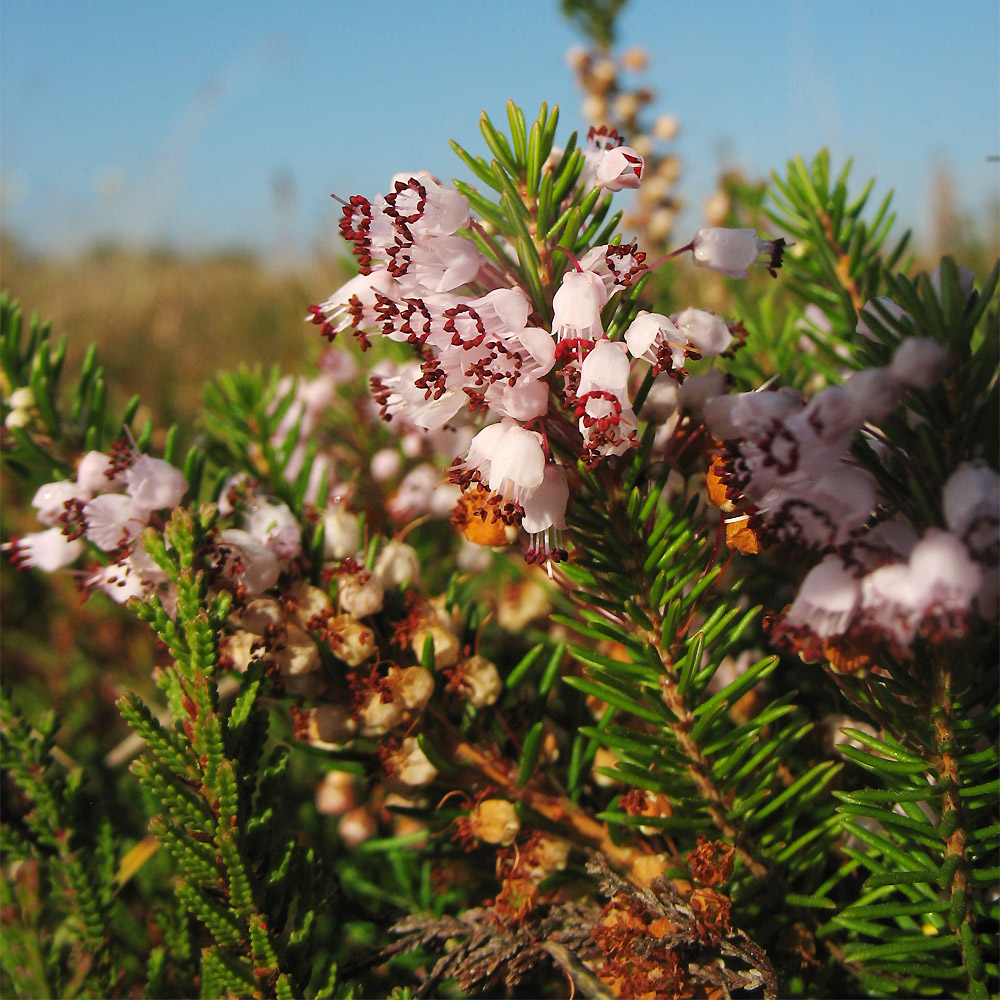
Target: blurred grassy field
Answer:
[[165, 322]]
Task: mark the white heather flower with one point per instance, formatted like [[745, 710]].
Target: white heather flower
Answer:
[[385, 464], [47, 550], [113, 520], [655, 338], [821, 512], [517, 466], [247, 561], [275, 525], [707, 333], [733, 251], [546, 506], [360, 594], [971, 502], [577, 305], [397, 564], [92, 474], [827, 599], [341, 534], [606, 419], [695, 393], [873, 310], [51, 500], [966, 281], [747, 414], [619, 168], [120, 582], [874, 393], [939, 579], [155, 484], [919, 362]]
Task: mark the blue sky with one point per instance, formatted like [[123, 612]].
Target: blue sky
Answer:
[[169, 122]]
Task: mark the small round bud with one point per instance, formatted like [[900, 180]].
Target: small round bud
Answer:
[[350, 641], [335, 794], [410, 766], [357, 826], [666, 127], [478, 681], [495, 821], [361, 594]]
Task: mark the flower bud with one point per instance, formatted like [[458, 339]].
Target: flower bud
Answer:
[[341, 534], [356, 826], [350, 640], [495, 821], [478, 681], [397, 564], [335, 794], [410, 766], [360, 594]]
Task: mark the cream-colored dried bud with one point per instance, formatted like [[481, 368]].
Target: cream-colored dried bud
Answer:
[[329, 726], [626, 106], [716, 208], [356, 826], [647, 867], [655, 189], [635, 59], [661, 223], [669, 168], [666, 127], [577, 57], [412, 686], [297, 653], [335, 794], [550, 854], [522, 603], [239, 648], [656, 804], [260, 615], [360, 594], [604, 758], [308, 602], [549, 752], [377, 717], [350, 641], [446, 646], [604, 73], [495, 821], [410, 765], [595, 109], [397, 564], [479, 681]]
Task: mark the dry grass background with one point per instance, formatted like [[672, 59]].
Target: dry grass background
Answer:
[[165, 322]]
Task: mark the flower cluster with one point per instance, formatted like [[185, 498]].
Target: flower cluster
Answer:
[[109, 503], [546, 379], [784, 475]]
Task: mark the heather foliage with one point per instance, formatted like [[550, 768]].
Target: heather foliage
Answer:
[[550, 633]]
